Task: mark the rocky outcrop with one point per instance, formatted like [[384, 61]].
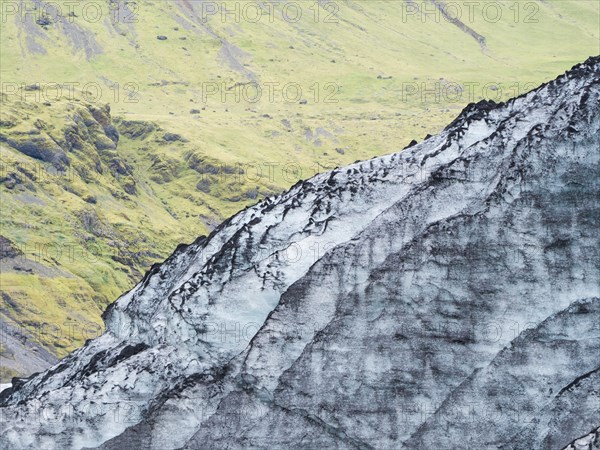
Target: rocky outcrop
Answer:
[[93, 134], [38, 145], [368, 307], [89, 130], [8, 249], [135, 129]]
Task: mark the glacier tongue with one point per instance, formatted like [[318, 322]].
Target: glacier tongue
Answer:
[[396, 301]]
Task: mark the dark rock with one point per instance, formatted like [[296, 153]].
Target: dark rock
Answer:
[[173, 137], [411, 144], [135, 129], [41, 148], [203, 186], [44, 21], [8, 249]]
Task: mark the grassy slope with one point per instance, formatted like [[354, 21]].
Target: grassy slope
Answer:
[[371, 117]]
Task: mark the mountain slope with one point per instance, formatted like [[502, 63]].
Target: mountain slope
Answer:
[[94, 195], [347, 311]]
